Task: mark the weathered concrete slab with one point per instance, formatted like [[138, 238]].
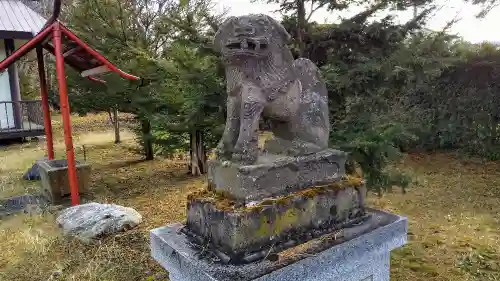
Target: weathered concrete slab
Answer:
[[33, 204], [361, 253], [274, 175]]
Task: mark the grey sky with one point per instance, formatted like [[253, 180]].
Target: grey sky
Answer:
[[470, 28]]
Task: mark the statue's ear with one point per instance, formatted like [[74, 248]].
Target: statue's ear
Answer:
[[222, 33], [279, 29]]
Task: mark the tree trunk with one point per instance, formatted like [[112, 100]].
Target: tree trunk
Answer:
[[197, 165], [494, 135], [116, 126], [147, 139], [301, 23], [202, 152], [113, 117]]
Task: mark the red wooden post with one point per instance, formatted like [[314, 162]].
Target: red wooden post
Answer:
[[63, 95], [45, 103]]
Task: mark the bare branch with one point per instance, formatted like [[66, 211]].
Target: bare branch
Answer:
[[313, 10], [414, 22], [363, 16], [487, 7], [121, 22]]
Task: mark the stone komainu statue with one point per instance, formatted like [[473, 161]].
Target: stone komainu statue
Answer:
[[264, 79]]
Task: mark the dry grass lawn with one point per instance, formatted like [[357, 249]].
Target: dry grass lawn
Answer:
[[453, 208]]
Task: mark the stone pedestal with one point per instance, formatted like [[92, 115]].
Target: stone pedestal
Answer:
[[275, 175], [357, 253], [243, 233], [55, 181], [288, 211]]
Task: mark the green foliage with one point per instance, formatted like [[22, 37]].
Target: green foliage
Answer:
[[164, 44], [460, 108], [373, 149], [364, 84], [27, 88], [195, 89], [398, 87]]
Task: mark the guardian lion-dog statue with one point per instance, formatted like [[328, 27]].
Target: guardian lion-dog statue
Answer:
[[263, 79]]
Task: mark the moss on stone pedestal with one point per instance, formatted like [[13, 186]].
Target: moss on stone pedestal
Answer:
[[234, 227], [280, 223], [223, 201]]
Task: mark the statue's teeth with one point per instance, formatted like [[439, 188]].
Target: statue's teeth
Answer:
[[244, 44]]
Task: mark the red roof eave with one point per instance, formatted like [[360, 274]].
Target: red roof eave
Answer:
[[26, 48], [96, 55], [46, 33]]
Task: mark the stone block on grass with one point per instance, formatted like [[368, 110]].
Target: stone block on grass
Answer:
[[55, 181]]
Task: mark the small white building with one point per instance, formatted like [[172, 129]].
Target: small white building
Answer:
[[18, 119]]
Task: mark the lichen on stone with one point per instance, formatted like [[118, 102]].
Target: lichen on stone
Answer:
[[223, 201], [280, 223], [353, 180]]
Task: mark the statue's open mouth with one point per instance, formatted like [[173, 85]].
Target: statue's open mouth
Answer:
[[246, 46]]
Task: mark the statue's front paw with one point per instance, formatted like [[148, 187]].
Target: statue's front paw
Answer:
[[244, 158], [222, 152]]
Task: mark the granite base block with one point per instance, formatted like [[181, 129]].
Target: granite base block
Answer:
[[275, 175], [364, 255]]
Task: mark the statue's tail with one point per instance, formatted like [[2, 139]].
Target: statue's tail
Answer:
[[314, 99], [310, 76]]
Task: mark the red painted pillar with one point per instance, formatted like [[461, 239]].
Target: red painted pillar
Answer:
[[45, 103], [63, 95]]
